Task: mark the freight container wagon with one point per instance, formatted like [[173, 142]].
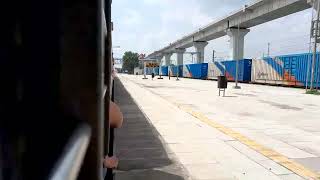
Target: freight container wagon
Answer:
[[150, 70], [164, 70], [174, 71], [178, 68], [215, 69], [156, 71], [244, 70], [290, 70], [196, 71]]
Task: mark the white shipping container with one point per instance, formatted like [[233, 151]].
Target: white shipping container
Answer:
[[263, 72], [214, 70], [186, 72]]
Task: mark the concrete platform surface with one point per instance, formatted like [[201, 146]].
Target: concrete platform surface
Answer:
[[257, 132], [139, 146]]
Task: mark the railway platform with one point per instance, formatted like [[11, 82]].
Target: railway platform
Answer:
[[185, 130], [140, 148]]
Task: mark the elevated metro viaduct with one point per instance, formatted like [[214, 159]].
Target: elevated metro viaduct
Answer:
[[236, 26]]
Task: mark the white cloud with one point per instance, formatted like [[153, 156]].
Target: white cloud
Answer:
[[155, 2], [187, 13], [200, 19], [132, 18]]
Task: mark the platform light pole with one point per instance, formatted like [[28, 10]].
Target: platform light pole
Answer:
[[316, 36], [192, 58], [144, 70], [310, 47], [160, 69], [237, 61], [177, 72], [213, 53], [268, 49]]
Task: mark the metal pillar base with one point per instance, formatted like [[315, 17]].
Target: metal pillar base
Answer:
[[160, 78], [144, 78], [236, 87]]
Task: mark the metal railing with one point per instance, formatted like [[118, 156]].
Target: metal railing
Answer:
[[69, 164]]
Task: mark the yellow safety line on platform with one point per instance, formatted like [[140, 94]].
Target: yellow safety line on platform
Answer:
[[269, 153]]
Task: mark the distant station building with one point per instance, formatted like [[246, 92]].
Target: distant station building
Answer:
[[147, 65]]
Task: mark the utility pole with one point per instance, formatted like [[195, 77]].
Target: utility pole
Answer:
[[160, 70], [310, 46], [177, 72], [192, 58], [268, 49], [315, 35], [213, 52], [145, 71], [237, 62]]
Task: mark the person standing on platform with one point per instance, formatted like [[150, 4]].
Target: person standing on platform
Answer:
[[152, 75]]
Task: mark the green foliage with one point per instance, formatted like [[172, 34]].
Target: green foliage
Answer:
[[314, 92], [130, 61]]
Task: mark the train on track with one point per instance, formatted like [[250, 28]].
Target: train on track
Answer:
[[287, 70]]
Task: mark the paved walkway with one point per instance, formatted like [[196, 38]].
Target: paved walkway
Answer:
[[143, 155], [213, 150]]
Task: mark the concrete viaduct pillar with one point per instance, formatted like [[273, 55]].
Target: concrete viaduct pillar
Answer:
[[180, 55], [159, 59], [237, 42], [200, 45], [167, 57]]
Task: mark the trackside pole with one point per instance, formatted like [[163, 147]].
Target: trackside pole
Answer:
[[177, 74], [160, 71], [237, 63], [314, 57], [145, 71]]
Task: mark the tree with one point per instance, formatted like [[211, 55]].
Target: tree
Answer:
[[130, 61]]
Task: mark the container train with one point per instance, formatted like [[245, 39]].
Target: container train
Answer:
[[287, 70]]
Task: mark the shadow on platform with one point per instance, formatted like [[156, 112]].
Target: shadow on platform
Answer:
[[142, 154]]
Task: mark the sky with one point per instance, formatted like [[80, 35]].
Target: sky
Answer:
[[144, 26]]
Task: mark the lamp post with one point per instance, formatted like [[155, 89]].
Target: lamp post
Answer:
[[237, 63], [144, 70], [316, 36], [160, 70], [177, 73]]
